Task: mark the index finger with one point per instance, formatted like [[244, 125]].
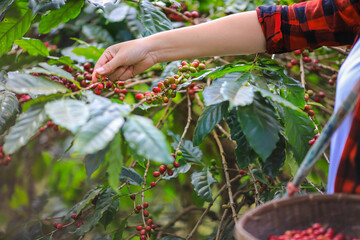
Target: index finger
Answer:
[[104, 58]]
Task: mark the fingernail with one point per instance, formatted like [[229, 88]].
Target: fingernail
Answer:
[[100, 70]]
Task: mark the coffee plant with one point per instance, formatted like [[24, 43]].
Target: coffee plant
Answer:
[[177, 152]]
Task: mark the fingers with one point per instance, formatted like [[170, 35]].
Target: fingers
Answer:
[[129, 73], [117, 73], [107, 63]]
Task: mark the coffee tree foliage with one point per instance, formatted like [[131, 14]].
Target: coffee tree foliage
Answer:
[[85, 157]]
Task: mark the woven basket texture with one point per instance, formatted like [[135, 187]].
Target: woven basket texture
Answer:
[[339, 211]]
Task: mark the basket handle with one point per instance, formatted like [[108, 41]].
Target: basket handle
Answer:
[[323, 141]]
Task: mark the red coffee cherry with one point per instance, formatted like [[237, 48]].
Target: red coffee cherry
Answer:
[[156, 174], [146, 213], [143, 232], [297, 52], [170, 172], [148, 228], [55, 224], [133, 196], [116, 91], [312, 141], [59, 226], [138, 207], [145, 205], [152, 184], [194, 14], [149, 221], [139, 96], [139, 228], [176, 164], [294, 62], [162, 169]]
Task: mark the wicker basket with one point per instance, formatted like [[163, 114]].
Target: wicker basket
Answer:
[[339, 211]]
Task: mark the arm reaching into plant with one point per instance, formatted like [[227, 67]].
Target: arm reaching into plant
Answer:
[[236, 34]]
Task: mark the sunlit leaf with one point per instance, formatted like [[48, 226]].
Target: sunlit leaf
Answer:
[[9, 108], [98, 132], [25, 83], [16, 23], [68, 11], [145, 139], [68, 113], [33, 46], [25, 127]]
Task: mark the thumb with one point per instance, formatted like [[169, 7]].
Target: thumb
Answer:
[[109, 67]]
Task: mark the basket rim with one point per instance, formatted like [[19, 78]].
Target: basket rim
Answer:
[[289, 201]]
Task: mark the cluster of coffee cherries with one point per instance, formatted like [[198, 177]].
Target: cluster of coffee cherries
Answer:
[[74, 216], [149, 227], [167, 89], [315, 232], [317, 97], [4, 160], [306, 59], [49, 124], [183, 10]]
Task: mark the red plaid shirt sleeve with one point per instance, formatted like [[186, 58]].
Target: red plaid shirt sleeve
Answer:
[[309, 24]]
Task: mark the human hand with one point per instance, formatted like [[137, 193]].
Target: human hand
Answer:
[[124, 60]]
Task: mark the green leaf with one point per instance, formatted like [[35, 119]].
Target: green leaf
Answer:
[[33, 46], [146, 140], [202, 184], [237, 94], [9, 108], [110, 213], [211, 116], [115, 162], [260, 125], [25, 83], [86, 201], [299, 129], [16, 23], [55, 70], [68, 113], [153, 19], [91, 53], [97, 33], [245, 155], [41, 6], [69, 11], [131, 176], [222, 88], [276, 160], [98, 132], [65, 60], [276, 98], [119, 233], [93, 161], [189, 152], [44, 98], [25, 127], [104, 203], [170, 238], [116, 12], [4, 5]]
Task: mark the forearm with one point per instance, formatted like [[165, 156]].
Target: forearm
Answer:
[[232, 35]]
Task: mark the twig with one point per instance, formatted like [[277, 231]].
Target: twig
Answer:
[[312, 184], [340, 50], [326, 158], [143, 193], [162, 117], [174, 220], [302, 71], [227, 178], [175, 106], [208, 208], [220, 224], [257, 195], [186, 127]]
